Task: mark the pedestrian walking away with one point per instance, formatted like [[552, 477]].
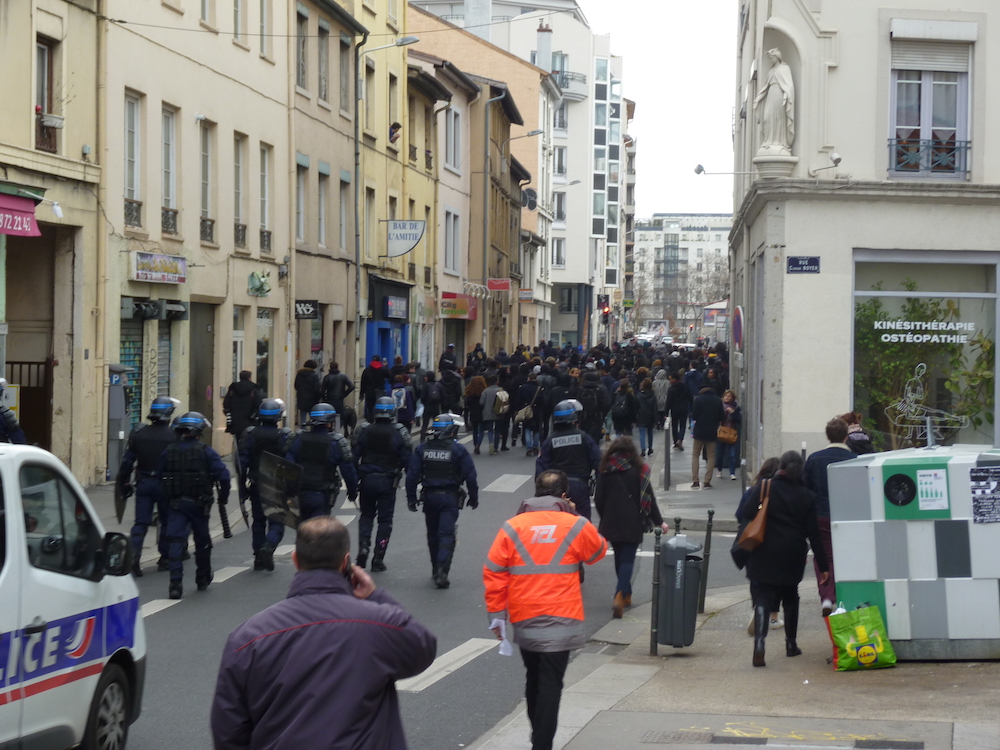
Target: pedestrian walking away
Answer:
[[145, 446], [240, 405], [190, 471], [375, 380], [571, 451], [678, 407], [318, 669], [267, 437], [308, 386], [325, 458], [706, 417], [382, 450], [625, 498], [335, 388], [441, 465], [532, 584], [775, 568], [815, 477]]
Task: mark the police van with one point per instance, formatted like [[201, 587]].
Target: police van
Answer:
[[72, 642]]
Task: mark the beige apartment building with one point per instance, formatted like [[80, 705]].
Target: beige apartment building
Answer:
[[197, 154], [52, 332]]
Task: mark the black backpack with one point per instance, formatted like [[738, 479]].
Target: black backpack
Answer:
[[619, 409], [591, 405]]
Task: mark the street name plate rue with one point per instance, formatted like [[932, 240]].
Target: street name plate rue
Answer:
[[802, 264]]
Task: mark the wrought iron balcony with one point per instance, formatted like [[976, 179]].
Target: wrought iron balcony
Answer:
[[573, 85], [929, 158], [265, 240], [133, 213], [207, 229], [45, 137], [168, 220], [240, 235], [428, 160], [413, 152]]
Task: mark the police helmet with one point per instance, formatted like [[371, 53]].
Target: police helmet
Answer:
[[192, 422], [271, 410], [385, 407], [565, 412], [445, 426], [322, 413], [162, 408]]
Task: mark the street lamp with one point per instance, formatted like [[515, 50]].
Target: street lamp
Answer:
[[358, 54], [701, 170]]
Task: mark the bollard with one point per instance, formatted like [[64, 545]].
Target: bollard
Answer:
[[803, 450], [677, 525], [656, 593], [666, 457], [743, 477], [707, 555]]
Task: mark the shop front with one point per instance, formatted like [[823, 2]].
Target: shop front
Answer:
[[457, 312], [388, 326], [424, 323]]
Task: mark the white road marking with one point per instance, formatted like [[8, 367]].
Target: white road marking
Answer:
[[466, 440], [507, 483], [447, 663], [345, 519], [284, 549], [226, 573], [156, 605]]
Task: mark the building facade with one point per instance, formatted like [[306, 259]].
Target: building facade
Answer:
[[864, 245]]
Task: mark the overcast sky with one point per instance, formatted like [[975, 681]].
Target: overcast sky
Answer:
[[680, 69]]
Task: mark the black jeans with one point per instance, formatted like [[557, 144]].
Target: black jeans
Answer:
[[543, 689]]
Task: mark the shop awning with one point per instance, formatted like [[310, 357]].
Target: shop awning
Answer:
[[17, 216]]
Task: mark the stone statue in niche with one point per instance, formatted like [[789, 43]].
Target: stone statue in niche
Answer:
[[777, 116]]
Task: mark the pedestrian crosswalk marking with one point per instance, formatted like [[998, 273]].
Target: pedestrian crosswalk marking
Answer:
[[507, 483], [284, 549], [345, 519], [156, 605], [466, 440], [447, 663], [226, 573]]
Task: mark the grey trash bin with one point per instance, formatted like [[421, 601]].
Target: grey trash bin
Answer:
[[680, 582]]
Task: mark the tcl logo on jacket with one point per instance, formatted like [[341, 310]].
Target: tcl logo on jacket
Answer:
[[532, 573]]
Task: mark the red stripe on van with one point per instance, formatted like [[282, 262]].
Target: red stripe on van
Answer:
[[52, 682]]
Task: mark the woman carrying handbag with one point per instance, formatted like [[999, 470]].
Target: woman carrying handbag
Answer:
[[626, 501], [780, 516]]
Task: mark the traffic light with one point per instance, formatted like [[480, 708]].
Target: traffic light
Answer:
[[606, 318]]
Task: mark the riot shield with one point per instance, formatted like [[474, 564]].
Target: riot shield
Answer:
[[241, 481], [121, 498], [278, 485]]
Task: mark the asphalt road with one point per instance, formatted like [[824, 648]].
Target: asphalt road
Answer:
[[186, 639]]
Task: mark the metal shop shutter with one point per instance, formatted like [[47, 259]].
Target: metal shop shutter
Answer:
[[948, 57], [131, 356], [163, 354]]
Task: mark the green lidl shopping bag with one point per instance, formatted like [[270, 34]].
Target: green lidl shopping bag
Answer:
[[859, 640]]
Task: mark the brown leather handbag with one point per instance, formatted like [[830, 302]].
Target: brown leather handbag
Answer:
[[753, 535]]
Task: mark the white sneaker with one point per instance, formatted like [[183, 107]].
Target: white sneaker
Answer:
[[776, 623], [827, 607]]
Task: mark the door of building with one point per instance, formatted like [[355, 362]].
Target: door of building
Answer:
[[35, 399], [202, 347]]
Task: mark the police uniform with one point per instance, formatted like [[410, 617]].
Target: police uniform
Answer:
[[10, 430], [320, 453], [574, 452], [382, 450], [189, 469], [441, 466], [254, 443], [145, 446]]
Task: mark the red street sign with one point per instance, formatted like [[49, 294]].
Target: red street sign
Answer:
[[498, 285]]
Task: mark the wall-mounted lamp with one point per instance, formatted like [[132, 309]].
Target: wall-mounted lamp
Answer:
[[56, 208], [701, 170], [200, 117], [834, 157], [283, 268]]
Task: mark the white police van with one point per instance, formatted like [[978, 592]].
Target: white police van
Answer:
[[72, 642]]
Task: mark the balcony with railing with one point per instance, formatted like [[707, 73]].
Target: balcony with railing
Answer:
[[929, 158], [46, 135], [265, 240], [413, 152], [573, 85], [240, 235], [428, 160], [168, 220], [133, 213], [207, 232], [630, 266]]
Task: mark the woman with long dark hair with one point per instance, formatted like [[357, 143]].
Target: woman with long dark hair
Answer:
[[627, 503], [775, 568]]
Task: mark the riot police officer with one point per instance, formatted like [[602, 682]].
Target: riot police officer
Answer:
[[382, 449], [10, 430], [441, 464], [265, 437], [321, 452], [572, 451], [189, 470], [145, 446]]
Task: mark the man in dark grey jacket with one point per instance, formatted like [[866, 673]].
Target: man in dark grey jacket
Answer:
[[707, 413], [318, 669]]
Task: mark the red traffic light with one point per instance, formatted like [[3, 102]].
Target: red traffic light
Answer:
[[606, 309]]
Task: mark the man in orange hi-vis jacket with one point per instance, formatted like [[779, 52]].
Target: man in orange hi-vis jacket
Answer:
[[532, 580]]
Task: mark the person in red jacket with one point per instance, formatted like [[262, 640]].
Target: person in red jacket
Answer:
[[532, 581]]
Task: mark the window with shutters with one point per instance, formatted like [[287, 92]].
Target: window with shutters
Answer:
[[930, 107]]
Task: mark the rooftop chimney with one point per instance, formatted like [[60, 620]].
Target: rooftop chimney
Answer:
[[478, 17], [543, 54]]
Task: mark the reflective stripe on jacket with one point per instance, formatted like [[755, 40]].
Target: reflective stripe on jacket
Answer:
[[532, 574]]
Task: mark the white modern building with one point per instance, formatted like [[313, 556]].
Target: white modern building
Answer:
[[682, 266], [586, 246], [865, 250]]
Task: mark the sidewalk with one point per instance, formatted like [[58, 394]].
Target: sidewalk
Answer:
[[710, 693]]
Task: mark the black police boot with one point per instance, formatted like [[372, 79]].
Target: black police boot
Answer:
[[203, 581], [791, 609], [176, 590], [265, 556], [761, 619], [362, 558], [162, 565], [441, 577], [258, 563], [377, 565], [137, 569]]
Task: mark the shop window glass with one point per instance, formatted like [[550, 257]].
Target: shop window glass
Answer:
[[923, 357]]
